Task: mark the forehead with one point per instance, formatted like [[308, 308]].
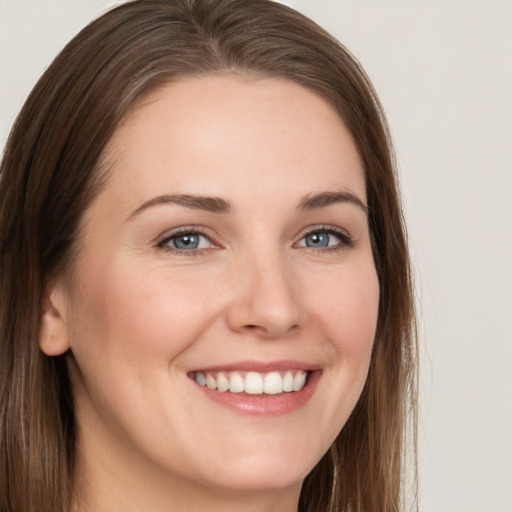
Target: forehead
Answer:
[[237, 130]]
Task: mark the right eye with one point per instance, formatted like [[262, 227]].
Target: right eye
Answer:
[[186, 241]]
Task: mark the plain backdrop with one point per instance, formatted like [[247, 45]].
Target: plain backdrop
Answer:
[[443, 70]]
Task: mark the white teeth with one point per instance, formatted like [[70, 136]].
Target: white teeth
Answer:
[[211, 382], [236, 383], [253, 383], [200, 379], [272, 383], [299, 380], [288, 382], [222, 382]]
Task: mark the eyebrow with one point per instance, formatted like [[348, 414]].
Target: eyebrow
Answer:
[[220, 206], [323, 199], [209, 204]]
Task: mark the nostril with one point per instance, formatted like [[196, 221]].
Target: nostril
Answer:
[[252, 328], [269, 332]]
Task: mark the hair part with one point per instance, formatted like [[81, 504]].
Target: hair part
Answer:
[[55, 163]]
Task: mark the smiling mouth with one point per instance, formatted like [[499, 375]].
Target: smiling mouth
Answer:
[[251, 383]]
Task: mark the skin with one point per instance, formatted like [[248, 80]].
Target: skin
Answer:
[[137, 317]]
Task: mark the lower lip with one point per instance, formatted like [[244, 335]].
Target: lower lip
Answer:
[[265, 405]]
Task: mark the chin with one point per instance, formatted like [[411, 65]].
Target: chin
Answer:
[[256, 479], [270, 469]]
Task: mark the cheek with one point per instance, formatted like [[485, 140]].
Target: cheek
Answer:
[[344, 304], [130, 327], [128, 322], [142, 315], [348, 311], [347, 307]]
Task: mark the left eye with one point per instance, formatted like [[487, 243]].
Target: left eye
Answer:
[[186, 242], [320, 240]]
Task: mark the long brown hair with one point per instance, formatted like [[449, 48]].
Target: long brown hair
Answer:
[[53, 166]]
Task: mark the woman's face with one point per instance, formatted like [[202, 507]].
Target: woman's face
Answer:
[[230, 245]]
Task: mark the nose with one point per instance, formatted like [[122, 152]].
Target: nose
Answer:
[[265, 302]]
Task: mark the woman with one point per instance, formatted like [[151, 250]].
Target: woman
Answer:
[[206, 295]]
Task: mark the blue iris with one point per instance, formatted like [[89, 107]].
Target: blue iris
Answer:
[[187, 241], [317, 240]]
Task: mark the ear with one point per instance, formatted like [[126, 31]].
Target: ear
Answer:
[[53, 335]]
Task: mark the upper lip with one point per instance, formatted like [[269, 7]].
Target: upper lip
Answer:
[[260, 366]]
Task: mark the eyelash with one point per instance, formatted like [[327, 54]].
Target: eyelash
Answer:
[[347, 241]]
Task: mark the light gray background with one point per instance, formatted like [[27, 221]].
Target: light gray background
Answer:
[[443, 70]]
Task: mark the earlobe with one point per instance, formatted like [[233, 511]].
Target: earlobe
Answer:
[[53, 334]]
